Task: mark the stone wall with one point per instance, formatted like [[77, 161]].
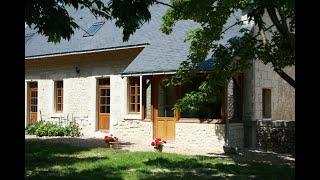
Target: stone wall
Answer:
[[282, 94], [134, 131], [278, 136], [236, 135], [195, 135], [79, 89]]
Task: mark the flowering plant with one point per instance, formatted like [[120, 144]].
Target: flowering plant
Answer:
[[110, 138], [158, 143]]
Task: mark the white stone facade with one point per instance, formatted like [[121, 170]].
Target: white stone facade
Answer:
[[80, 102]]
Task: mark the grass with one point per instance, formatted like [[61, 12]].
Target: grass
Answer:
[[61, 161]]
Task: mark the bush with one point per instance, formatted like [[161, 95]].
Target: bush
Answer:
[[31, 128], [47, 129]]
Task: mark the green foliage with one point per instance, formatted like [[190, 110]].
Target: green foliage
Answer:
[[47, 129], [31, 128], [52, 19], [231, 59]]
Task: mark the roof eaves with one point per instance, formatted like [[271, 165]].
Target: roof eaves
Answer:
[[87, 51]]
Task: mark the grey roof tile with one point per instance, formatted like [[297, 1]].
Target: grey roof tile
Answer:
[[164, 52]]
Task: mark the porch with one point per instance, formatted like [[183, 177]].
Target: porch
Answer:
[[186, 131]]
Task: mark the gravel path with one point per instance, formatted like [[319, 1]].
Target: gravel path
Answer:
[[244, 154]]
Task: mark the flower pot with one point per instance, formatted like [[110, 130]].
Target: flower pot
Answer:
[[112, 145], [160, 148]]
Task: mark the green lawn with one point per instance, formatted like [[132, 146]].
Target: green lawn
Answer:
[[59, 161]]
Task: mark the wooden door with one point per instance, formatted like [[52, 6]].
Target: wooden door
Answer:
[[165, 116], [104, 104], [33, 102]]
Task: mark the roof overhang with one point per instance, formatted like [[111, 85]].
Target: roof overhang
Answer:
[[147, 73], [87, 51]]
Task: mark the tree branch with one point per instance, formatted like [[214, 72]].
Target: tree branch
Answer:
[[281, 26], [286, 29], [169, 5]]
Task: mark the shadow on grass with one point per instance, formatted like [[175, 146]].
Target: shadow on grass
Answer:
[[41, 157], [79, 142], [94, 173], [195, 168]]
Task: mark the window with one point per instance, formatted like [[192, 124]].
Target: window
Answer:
[[28, 37], [134, 94], [211, 109], [93, 29], [59, 96], [266, 103]]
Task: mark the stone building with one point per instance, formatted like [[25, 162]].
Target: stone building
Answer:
[[109, 86]]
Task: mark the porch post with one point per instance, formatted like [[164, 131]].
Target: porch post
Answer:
[[140, 97], [226, 119]]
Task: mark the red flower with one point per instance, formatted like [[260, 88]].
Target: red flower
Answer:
[[158, 142], [110, 138]]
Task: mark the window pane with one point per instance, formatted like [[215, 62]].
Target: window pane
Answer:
[[33, 84], [102, 100], [132, 90], [148, 98], [108, 92], [34, 108], [169, 112], [59, 107], [138, 107], [34, 93], [266, 106], [131, 81], [103, 92], [102, 109], [132, 99], [161, 111], [58, 92], [104, 81], [94, 28], [59, 84], [161, 96], [132, 108], [108, 109], [108, 100]]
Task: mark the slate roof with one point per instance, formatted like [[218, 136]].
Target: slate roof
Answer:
[[162, 53]]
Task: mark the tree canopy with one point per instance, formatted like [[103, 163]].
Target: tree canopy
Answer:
[[52, 20]]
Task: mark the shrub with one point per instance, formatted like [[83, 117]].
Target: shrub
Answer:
[[42, 130], [72, 130], [31, 128], [47, 129]]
